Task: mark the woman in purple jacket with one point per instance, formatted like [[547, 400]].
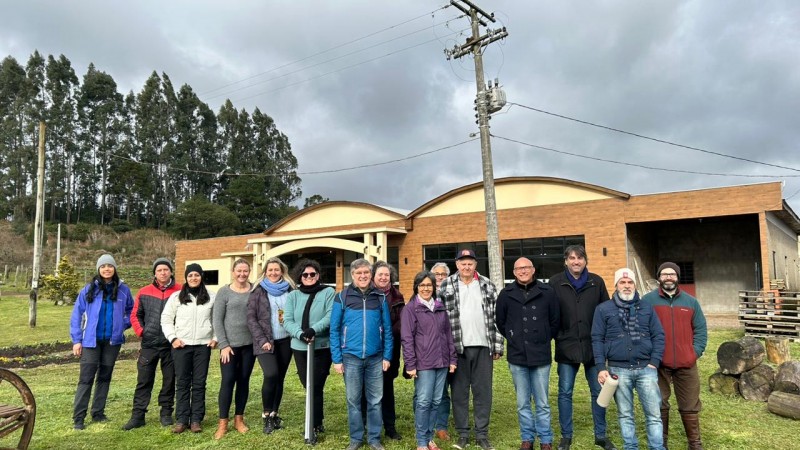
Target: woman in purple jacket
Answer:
[[428, 352]]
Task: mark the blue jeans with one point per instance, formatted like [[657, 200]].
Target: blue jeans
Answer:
[[428, 387], [566, 382], [443, 412], [533, 381], [366, 374], [645, 381]]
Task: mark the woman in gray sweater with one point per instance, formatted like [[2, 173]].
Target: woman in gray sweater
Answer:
[[236, 347]]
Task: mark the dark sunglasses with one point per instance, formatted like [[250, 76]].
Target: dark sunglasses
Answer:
[[309, 274]]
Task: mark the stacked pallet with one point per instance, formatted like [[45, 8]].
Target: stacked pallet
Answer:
[[771, 313]]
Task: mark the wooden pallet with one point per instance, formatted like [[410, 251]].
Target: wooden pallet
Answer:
[[770, 314]]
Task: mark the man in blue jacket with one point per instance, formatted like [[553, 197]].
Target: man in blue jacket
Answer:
[[361, 349], [527, 315], [627, 340]]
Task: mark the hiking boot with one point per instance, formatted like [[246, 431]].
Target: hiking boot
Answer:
[[442, 435], [222, 429], [269, 424], [135, 422], [605, 443], [179, 428], [526, 445], [484, 443], [565, 443], [100, 418], [166, 421], [240, 426], [79, 425], [196, 427], [461, 443], [393, 434], [277, 421]]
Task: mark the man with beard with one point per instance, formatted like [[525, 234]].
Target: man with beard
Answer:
[[628, 341], [686, 337], [579, 293], [146, 322]]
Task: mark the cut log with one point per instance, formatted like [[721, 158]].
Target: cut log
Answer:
[[788, 377], [778, 350], [756, 384], [719, 383], [736, 357], [784, 404]]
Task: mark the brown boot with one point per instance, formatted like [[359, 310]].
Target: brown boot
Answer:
[[691, 423], [665, 423], [238, 423], [222, 428]]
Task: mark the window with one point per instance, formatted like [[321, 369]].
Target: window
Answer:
[[211, 277], [547, 254], [687, 272], [446, 253]]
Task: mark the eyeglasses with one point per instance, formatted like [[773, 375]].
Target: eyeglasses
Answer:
[[425, 286], [440, 275], [309, 274], [669, 275], [520, 268]]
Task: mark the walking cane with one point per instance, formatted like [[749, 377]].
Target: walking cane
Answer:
[[310, 435]]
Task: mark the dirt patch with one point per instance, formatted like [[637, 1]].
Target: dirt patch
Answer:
[[27, 357]]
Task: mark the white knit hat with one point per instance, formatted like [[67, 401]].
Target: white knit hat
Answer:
[[624, 273]]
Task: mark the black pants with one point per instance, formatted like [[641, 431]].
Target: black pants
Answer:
[[236, 373], [322, 367], [191, 372], [474, 373], [274, 365], [146, 365], [97, 366], [387, 404]]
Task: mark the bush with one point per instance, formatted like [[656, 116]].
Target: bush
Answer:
[[80, 232], [120, 226], [63, 287]]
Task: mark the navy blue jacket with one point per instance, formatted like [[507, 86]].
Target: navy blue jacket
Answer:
[[612, 343], [528, 317]]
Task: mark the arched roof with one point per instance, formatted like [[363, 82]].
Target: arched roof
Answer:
[[333, 214], [515, 192]]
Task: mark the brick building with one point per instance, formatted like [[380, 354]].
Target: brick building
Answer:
[[725, 239]]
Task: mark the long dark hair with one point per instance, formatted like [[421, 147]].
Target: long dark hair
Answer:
[[202, 296], [98, 281]]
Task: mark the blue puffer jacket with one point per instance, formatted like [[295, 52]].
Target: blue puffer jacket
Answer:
[[83, 323], [360, 324], [612, 342]]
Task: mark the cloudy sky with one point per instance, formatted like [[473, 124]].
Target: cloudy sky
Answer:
[[358, 82]]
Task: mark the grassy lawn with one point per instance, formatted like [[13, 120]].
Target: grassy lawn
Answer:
[[726, 423]]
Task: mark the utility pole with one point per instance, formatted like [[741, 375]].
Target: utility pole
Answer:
[[37, 231], [474, 46]]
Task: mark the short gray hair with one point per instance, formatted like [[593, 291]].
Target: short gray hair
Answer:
[[359, 263], [441, 264]]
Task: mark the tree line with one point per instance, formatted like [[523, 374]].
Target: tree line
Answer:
[[159, 158]]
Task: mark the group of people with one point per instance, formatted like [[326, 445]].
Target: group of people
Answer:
[[449, 333]]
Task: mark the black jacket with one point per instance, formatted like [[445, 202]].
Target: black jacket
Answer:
[[528, 317], [574, 340]]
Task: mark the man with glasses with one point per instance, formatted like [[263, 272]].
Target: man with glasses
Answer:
[[686, 336], [440, 271], [470, 301], [579, 292], [528, 317]]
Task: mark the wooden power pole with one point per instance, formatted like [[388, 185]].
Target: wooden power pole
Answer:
[[37, 231], [474, 46]]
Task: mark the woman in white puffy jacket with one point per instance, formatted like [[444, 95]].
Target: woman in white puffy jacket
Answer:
[[186, 322]]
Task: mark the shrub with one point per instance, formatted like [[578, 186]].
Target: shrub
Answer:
[[80, 232], [62, 287], [120, 226]]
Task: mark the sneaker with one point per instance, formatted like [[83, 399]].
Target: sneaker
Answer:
[[565, 443], [484, 443], [100, 418], [376, 446], [277, 421], [393, 434], [526, 445], [442, 435], [354, 446], [135, 422], [432, 446], [605, 443], [269, 424], [461, 443], [166, 420], [79, 425]]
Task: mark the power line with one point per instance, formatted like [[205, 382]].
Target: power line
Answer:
[[641, 166], [328, 50], [654, 139], [327, 60], [266, 174]]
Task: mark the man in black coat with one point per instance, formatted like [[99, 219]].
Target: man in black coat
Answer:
[[579, 292], [527, 316]]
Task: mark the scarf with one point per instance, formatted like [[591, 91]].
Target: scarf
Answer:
[[430, 304], [275, 289], [627, 315], [312, 292], [195, 291], [580, 282]]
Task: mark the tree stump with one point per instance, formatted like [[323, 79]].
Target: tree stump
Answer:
[[756, 384], [736, 357], [719, 383], [778, 350], [784, 404], [788, 377]]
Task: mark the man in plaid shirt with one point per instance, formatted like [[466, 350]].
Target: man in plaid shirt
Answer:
[[470, 301]]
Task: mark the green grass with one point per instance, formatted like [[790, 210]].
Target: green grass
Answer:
[[726, 423]]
